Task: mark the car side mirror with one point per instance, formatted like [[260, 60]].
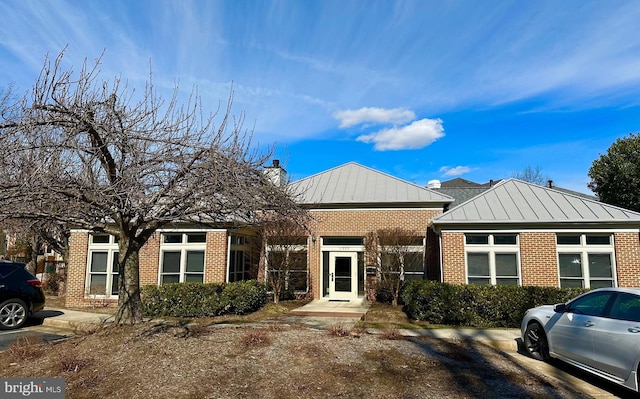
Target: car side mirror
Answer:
[[560, 308]]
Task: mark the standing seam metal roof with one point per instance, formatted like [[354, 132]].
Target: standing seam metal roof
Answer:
[[353, 183], [516, 201]]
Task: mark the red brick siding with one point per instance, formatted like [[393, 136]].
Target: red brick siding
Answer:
[[453, 255], [215, 270], [76, 269], [628, 259], [539, 259]]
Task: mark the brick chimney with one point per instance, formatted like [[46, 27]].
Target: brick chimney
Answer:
[[276, 173]]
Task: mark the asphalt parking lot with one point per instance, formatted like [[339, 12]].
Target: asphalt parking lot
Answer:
[[33, 327]]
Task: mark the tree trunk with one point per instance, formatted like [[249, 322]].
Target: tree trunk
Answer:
[[129, 302]]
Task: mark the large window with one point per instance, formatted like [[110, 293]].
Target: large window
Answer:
[[182, 257], [586, 260], [102, 270], [287, 262], [240, 262], [492, 259]]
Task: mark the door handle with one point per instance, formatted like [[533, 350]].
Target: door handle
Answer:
[[589, 324], [634, 330], [331, 277]]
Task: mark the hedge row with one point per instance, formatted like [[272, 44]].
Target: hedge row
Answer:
[[477, 305], [203, 300]]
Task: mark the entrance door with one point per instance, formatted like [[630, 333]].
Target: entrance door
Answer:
[[343, 275]]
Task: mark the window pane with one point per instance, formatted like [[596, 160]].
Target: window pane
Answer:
[[298, 281], [171, 262], [627, 307], [506, 265], [571, 283], [172, 238], [507, 281], [199, 237], [99, 262], [505, 239], [195, 261], [568, 239], [570, 265], [416, 276], [298, 261], [100, 239], [275, 260], [477, 238], [591, 304], [114, 285], [115, 266], [98, 284], [193, 278], [170, 278], [478, 264], [599, 239], [600, 265], [413, 263], [479, 281], [600, 284]]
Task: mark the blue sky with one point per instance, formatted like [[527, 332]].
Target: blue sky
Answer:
[[418, 89]]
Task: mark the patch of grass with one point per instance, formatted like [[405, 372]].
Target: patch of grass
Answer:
[[255, 339], [26, 348], [338, 330], [391, 332]]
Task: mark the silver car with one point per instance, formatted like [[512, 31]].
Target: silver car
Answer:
[[598, 332]]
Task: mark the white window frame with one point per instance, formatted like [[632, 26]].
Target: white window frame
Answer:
[[584, 250], [111, 249], [491, 250], [183, 247]]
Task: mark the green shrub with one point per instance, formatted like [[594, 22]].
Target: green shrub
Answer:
[[203, 300], [477, 305]]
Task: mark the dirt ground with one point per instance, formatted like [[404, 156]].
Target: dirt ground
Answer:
[[269, 359]]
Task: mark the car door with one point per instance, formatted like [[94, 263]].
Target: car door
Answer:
[[571, 336], [616, 339]]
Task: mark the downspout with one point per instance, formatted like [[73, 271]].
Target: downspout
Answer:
[[228, 257], [433, 227]]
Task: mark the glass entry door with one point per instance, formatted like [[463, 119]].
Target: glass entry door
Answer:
[[343, 275]]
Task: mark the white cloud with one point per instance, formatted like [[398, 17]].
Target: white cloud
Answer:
[[418, 134], [352, 117], [455, 171]]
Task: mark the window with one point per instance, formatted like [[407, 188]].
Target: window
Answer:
[[182, 257], [594, 304], [289, 265], [240, 260], [413, 262], [586, 260], [492, 259], [626, 307], [102, 268]]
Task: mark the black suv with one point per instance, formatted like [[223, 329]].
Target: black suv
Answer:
[[21, 295]]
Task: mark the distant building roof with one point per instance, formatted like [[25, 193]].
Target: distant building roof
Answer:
[[355, 185], [514, 201], [459, 182]]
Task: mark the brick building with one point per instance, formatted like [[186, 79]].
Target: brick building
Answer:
[[510, 232]]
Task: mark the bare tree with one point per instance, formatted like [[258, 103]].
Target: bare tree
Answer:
[[532, 175], [394, 252], [286, 263], [98, 155]]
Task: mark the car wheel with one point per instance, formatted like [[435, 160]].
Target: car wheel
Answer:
[[535, 340], [13, 314]]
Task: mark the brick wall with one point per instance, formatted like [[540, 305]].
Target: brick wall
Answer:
[[215, 270], [539, 259], [453, 264], [628, 259], [76, 269]]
